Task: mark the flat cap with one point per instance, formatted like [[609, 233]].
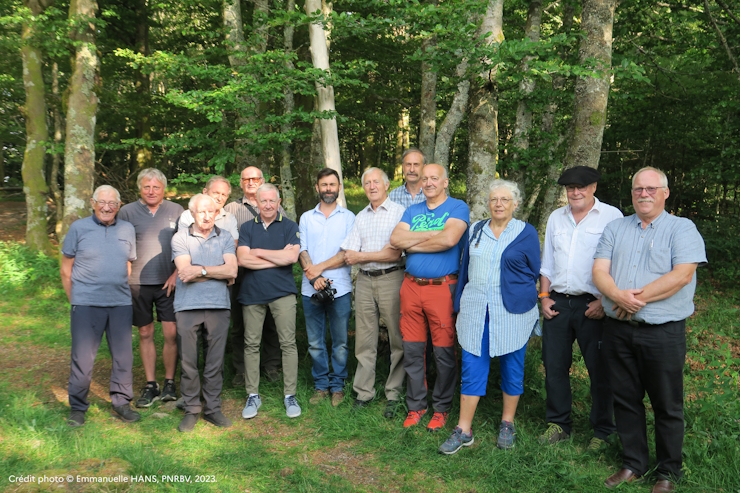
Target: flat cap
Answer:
[[579, 175]]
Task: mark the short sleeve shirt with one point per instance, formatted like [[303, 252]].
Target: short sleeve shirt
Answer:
[[640, 256], [262, 286], [100, 269], [153, 240], [212, 294], [421, 218]]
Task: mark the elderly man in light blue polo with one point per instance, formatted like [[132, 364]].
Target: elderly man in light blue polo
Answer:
[[646, 269], [322, 230], [205, 256]]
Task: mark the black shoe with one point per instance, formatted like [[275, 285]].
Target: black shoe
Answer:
[[126, 414], [358, 404], [149, 395], [188, 423], [272, 375], [390, 409], [168, 392], [76, 418], [218, 419]]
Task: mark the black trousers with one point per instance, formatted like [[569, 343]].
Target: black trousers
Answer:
[[558, 335], [648, 358], [88, 324]]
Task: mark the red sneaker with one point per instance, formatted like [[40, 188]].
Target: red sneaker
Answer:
[[413, 418], [437, 422]]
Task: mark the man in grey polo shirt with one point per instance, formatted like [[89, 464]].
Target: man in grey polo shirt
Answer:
[[205, 257], [645, 268], [96, 261], [153, 279]]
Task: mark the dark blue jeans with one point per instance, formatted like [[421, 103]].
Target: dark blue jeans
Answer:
[[338, 312]]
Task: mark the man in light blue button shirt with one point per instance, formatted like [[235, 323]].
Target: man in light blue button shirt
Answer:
[[322, 231], [645, 268]]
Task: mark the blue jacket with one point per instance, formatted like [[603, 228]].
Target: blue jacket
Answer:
[[520, 267]]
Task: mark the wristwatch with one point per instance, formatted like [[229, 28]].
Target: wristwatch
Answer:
[[203, 272]]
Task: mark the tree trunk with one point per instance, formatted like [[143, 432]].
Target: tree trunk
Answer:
[[286, 175], [428, 106], [329, 134], [398, 155], [143, 128], [79, 148], [32, 171], [402, 142], [57, 159], [453, 118], [591, 93], [483, 121]]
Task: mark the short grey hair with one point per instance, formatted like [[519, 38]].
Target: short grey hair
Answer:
[[196, 198], [412, 150], [663, 177], [511, 186], [149, 174], [267, 187], [215, 179], [372, 169], [105, 188]]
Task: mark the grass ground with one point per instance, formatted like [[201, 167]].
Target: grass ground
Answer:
[[326, 449]]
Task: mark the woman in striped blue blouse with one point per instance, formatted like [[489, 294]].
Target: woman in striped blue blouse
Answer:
[[497, 310]]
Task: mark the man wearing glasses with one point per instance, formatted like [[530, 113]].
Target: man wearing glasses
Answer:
[[645, 268], [152, 280], [96, 262], [245, 209], [571, 306]]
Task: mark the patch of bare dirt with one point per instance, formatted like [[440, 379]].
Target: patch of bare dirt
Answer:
[[12, 221], [343, 461]]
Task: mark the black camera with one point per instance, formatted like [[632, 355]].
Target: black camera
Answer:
[[324, 296]]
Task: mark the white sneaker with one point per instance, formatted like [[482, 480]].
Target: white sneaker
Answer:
[[253, 404]]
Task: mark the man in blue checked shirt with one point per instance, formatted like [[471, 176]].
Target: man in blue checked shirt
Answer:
[[410, 192], [646, 269], [323, 230]]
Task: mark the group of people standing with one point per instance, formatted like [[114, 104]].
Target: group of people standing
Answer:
[[622, 287]]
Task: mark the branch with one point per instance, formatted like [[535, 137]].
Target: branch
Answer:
[[727, 9], [722, 39]]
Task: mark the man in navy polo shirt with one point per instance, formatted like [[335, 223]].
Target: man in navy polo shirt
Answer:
[[96, 262], [268, 247]]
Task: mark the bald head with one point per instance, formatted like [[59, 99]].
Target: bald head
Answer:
[[434, 181]]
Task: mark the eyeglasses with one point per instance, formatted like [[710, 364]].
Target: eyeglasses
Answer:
[[650, 190], [102, 203], [250, 180], [504, 200], [573, 188]]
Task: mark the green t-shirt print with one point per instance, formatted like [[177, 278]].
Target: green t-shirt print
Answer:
[[429, 222]]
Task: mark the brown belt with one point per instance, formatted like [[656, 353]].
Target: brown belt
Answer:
[[435, 282]]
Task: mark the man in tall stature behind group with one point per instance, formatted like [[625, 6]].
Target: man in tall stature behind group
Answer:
[[431, 234], [645, 268], [152, 281], [409, 192], [245, 209], [571, 305]]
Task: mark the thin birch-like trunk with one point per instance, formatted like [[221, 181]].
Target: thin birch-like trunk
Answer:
[[428, 105], [286, 175], [79, 149], [144, 156], [453, 118], [329, 133], [57, 158]]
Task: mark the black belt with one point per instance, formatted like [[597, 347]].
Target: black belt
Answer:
[[380, 272], [636, 324], [585, 296]]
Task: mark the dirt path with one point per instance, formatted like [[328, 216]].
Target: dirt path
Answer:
[[12, 221]]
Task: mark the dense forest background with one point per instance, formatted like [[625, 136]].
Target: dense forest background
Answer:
[[92, 92]]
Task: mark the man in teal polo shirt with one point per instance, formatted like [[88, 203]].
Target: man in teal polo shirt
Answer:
[[268, 247]]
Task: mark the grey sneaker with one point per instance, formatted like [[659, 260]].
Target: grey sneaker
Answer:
[[506, 435], [253, 404], [457, 440], [168, 392], [292, 409], [180, 404], [149, 395], [553, 435], [126, 414]]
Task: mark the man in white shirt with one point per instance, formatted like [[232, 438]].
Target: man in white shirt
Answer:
[[377, 293], [572, 308]]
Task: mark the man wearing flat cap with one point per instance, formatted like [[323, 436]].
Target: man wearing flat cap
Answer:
[[572, 308]]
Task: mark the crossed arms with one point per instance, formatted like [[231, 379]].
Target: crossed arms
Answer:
[[403, 238], [260, 258]]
